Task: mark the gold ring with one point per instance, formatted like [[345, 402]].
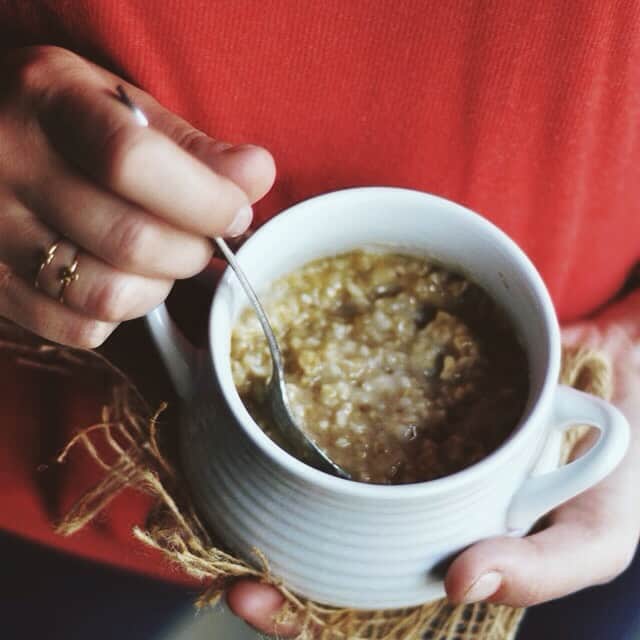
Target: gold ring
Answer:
[[46, 260], [67, 276]]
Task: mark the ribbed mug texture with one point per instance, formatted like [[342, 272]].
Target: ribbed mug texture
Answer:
[[345, 543]]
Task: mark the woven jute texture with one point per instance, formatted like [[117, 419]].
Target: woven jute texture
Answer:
[[130, 443]]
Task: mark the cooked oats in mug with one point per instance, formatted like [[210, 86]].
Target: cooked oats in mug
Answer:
[[401, 370]]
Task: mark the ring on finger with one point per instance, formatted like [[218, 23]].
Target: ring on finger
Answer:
[[66, 275], [47, 258]]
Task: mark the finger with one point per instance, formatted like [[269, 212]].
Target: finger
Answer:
[[114, 230], [250, 167], [210, 277], [100, 291], [578, 550], [211, 274], [98, 134], [258, 604], [23, 238], [34, 311]]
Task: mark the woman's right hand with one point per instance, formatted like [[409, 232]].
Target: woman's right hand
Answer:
[[135, 206]]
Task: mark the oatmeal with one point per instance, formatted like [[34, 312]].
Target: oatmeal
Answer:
[[401, 370]]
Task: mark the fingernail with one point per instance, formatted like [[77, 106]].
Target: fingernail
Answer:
[[484, 587], [241, 222], [241, 148], [245, 147]]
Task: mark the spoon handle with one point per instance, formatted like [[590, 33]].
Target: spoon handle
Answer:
[[255, 302]]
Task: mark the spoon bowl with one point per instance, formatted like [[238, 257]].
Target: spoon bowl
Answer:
[[278, 398]]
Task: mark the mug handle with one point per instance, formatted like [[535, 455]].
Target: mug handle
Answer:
[[180, 357], [542, 493]]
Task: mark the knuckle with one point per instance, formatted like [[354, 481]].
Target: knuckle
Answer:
[[191, 140], [198, 254], [128, 242], [626, 556], [613, 545], [621, 558], [532, 593], [108, 300], [114, 150], [32, 65], [89, 334], [5, 278]]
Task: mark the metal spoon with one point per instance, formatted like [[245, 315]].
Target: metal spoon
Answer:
[[296, 438]]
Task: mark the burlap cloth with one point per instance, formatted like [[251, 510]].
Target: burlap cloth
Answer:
[[133, 445]]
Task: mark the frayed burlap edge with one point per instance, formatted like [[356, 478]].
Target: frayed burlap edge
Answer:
[[125, 444]]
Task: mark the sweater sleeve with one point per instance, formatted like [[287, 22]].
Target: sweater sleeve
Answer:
[[615, 331]]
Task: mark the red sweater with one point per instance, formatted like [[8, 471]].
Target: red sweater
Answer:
[[528, 113]]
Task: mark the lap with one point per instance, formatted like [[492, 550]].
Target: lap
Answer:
[[607, 612]]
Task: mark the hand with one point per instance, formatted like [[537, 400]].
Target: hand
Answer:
[[591, 539], [135, 206], [587, 541]]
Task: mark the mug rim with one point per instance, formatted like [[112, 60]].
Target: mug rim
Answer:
[[469, 474]]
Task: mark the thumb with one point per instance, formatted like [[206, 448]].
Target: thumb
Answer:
[[258, 604], [568, 556]]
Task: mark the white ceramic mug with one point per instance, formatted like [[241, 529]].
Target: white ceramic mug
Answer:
[[361, 545]]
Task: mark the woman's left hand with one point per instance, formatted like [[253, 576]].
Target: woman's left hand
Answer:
[[587, 541]]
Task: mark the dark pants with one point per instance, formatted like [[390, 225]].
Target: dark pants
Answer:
[[49, 596], [608, 612]]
